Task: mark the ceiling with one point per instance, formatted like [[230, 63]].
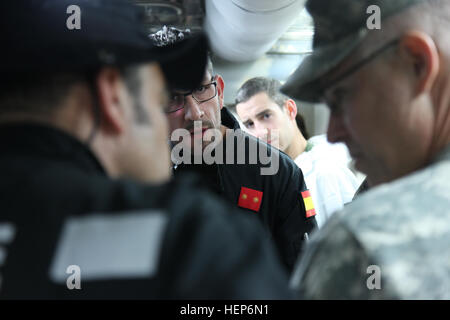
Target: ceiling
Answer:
[[191, 14], [176, 13], [279, 62]]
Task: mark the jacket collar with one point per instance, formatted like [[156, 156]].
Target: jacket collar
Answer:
[[228, 120], [36, 140]]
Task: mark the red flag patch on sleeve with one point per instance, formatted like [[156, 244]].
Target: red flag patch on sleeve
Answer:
[[309, 204], [250, 199]]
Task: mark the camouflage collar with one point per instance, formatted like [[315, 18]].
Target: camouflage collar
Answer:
[[309, 146]]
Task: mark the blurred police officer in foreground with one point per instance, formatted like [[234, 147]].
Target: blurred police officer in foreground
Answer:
[[388, 91], [86, 209]]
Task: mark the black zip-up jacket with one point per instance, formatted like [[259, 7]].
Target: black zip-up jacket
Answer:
[[281, 209], [69, 231]]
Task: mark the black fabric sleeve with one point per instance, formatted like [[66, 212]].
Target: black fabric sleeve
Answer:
[[292, 223]]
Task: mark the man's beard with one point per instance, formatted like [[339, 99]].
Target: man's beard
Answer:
[[205, 124]]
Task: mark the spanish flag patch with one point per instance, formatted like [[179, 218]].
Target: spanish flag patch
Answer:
[[309, 204]]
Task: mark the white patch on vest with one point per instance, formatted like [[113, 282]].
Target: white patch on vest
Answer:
[[7, 232], [109, 246]]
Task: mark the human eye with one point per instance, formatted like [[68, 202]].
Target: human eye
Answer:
[[264, 116], [201, 89]]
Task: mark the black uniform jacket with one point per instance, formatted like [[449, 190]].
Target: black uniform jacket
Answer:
[[67, 230], [278, 197]]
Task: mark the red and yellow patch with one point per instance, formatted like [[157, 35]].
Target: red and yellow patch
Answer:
[[250, 199], [309, 204]]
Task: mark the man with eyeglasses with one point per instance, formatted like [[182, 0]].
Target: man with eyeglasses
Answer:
[[280, 200], [388, 92]]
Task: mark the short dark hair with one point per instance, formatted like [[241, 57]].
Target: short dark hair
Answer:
[[42, 93], [272, 88], [36, 93], [260, 84]]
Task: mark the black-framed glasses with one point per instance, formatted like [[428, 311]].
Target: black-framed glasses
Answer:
[[202, 94], [359, 65]]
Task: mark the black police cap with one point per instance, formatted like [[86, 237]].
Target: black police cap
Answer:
[[45, 36]]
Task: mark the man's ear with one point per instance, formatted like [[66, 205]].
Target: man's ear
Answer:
[[423, 54], [290, 108], [110, 93], [220, 89]]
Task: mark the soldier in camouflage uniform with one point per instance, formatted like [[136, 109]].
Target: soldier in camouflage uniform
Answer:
[[388, 91]]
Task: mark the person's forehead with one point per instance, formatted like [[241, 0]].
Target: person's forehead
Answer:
[[257, 103]]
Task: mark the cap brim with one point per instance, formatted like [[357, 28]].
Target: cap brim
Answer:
[[184, 63], [305, 84]]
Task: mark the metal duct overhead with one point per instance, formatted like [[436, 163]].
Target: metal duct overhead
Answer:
[[244, 30], [175, 13]]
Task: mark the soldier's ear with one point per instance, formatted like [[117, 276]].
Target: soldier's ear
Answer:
[[423, 56]]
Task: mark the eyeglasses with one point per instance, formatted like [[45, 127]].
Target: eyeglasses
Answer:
[[202, 94], [359, 65]]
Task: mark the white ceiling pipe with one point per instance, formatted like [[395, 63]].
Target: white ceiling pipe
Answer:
[[263, 5], [243, 30]]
